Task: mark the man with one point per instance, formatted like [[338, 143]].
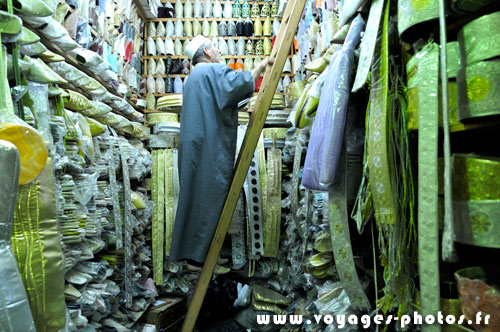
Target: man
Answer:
[[207, 143]]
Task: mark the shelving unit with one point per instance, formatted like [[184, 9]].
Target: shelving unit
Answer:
[[211, 19], [145, 58], [225, 38], [184, 76]]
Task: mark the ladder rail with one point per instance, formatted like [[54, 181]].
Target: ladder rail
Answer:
[[289, 24]]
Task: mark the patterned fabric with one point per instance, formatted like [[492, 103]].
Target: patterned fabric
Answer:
[[428, 233]]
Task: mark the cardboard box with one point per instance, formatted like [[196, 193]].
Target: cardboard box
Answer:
[[167, 314]]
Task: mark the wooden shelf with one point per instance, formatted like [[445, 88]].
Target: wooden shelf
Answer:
[[210, 19], [225, 38]]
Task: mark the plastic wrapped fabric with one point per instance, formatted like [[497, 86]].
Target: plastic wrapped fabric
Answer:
[[15, 310], [32, 49], [348, 10], [327, 132], [83, 35], [101, 107], [49, 56], [84, 142], [78, 102], [28, 37], [33, 8], [96, 128], [368, 44], [35, 239], [87, 57]]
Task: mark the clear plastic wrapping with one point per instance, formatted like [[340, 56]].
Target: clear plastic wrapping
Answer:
[[328, 128]]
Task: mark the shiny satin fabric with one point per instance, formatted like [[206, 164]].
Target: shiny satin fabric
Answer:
[[378, 138], [158, 192], [169, 199], [37, 248], [476, 200], [15, 314]]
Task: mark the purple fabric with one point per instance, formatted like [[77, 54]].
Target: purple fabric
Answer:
[[328, 128], [178, 86]]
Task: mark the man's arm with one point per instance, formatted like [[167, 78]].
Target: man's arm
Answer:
[[261, 67]]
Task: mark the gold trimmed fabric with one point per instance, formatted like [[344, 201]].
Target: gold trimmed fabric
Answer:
[[479, 90], [37, 248], [169, 199], [158, 192], [476, 205], [15, 314], [341, 241], [272, 216], [378, 163], [428, 233]]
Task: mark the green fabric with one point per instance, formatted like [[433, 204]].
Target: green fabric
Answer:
[[341, 241], [480, 39], [413, 13], [10, 23], [28, 37], [37, 248], [169, 199], [428, 234], [478, 89], [158, 192], [379, 159]]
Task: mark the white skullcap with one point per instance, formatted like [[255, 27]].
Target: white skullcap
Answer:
[[194, 45]]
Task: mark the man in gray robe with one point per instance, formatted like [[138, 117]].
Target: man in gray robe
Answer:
[[207, 143]]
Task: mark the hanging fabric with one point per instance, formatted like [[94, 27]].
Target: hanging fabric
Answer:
[[36, 245]]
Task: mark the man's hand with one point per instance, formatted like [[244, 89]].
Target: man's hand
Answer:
[[261, 67]]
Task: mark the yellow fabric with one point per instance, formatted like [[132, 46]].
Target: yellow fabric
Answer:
[[31, 147], [36, 246]]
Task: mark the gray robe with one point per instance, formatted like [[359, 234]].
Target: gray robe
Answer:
[[207, 143]]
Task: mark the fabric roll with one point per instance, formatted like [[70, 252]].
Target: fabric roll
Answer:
[[15, 311], [37, 249], [480, 39], [415, 14]]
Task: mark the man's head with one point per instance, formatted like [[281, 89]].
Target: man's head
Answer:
[[201, 49]]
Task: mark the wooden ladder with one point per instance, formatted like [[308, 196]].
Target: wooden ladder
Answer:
[[289, 25]]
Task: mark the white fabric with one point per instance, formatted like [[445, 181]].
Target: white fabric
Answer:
[[228, 9]]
